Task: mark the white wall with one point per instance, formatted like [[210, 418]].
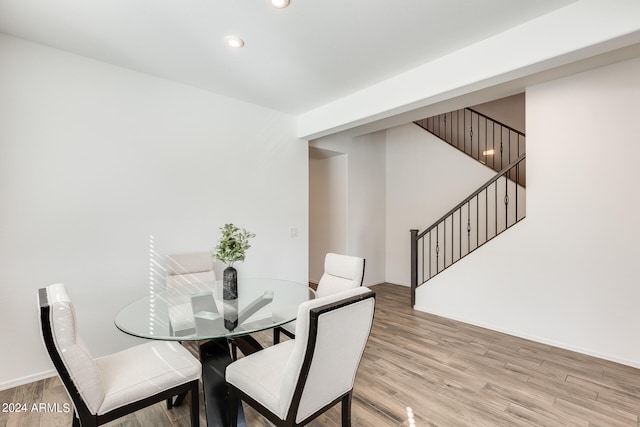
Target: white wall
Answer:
[[365, 199], [568, 272], [94, 159], [367, 217], [327, 211], [425, 179]]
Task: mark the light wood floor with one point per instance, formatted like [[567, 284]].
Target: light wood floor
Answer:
[[449, 373]]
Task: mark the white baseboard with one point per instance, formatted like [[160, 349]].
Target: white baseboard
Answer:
[[28, 379]]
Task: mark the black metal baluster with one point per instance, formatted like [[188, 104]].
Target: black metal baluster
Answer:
[[486, 136], [493, 146], [452, 237], [451, 125], [471, 134], [478, 138], [445, 127], [486, 215], [509, 148], [430, 255], [460, 231], [436, 126], [465, 130], [477, 221], [457, 127], [517, 185], [468, 227], [437, 249], [506, 200], [422, 240], [501, 159]]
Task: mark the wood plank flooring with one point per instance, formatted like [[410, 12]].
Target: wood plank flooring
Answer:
[[449, 374]]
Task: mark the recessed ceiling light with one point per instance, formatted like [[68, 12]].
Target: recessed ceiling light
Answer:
[[279, 3], [234, 41]]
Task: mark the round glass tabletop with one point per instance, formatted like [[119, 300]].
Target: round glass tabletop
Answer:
[[198, 311]]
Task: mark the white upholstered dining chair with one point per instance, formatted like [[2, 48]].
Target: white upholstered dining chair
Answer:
[[185, 272], [110, 387], [189, 268], [341, 272], [293, 382]]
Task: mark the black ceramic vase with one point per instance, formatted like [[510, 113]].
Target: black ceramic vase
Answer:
[[230, 314], [230, 283], [230, 296]]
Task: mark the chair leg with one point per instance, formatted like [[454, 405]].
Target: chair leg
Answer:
[[179, 399], [90, 421], [234, 350], [170, 403], [232, 408], [346, 410], [276, 335], [195, 405]]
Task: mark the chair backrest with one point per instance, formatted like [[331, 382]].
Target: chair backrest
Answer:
[[78, 371], [189, 268], [331, 334], [341, 272]]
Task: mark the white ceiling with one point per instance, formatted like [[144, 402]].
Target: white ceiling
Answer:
[[295, 59]]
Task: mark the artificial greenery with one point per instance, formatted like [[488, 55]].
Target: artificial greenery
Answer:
[[233, 244]]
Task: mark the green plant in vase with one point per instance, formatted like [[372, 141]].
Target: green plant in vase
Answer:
[[231, 248]]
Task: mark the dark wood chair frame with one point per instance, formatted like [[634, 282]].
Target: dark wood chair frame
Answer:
[[82, 416], [278, 329], [235, 394]]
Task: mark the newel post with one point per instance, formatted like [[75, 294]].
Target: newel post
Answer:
[[414, 265]]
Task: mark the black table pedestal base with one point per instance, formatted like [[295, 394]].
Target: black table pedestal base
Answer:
[[215, 356]]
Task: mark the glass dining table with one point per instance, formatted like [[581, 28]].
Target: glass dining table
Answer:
[[198, 312]]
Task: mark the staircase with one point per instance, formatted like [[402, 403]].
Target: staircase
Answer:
[[493, 208], [489, 141]]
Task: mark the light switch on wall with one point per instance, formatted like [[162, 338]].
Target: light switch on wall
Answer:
[[293, 231]]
